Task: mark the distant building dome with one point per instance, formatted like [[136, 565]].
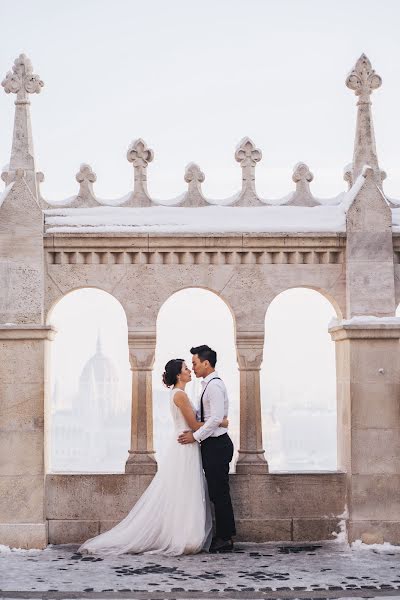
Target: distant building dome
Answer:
[[99, 386]]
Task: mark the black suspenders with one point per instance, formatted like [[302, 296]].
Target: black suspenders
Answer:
[[201, 399]]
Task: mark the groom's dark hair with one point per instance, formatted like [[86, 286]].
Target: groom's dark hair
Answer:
[[205, 353]]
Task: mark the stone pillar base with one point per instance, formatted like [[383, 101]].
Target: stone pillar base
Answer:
[[24, 535], [251, 463], [141, 463], [374, 532]]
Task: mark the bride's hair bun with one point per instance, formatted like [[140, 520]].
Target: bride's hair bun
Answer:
[[172, 370]]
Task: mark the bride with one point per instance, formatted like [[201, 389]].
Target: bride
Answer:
[[173, 515]]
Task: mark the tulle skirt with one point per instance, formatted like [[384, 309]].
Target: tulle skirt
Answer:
[[172, 517]]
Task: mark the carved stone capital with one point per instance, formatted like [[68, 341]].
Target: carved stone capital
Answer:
[[142, 346], [363, 80], [249, 349], [21, 80]]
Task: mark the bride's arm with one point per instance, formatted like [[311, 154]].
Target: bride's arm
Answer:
[[182, 401]]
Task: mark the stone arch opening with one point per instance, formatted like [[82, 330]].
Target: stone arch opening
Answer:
[[190, 317], [89, 384], [298, 383]]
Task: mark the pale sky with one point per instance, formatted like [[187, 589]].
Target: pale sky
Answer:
[[192, 78]]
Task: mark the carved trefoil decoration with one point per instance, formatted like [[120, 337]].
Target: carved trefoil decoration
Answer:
[[248, 155], [194, 177], [302, 196], [140, 155]]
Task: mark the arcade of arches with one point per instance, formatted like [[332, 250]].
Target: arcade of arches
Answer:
[[251, 252]]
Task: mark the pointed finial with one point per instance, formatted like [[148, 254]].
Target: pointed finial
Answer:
[[363, 80], [85, 177], [302, 175], [21, 80], [194, 174], [247, 154], [302, 196], [140, 155], [194, 177]]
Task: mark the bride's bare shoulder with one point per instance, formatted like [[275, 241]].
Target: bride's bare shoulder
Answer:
[[180, 398]]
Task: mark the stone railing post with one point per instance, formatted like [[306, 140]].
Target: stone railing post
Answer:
[[368, 391], [22, 434], [142, 345], [249, 347]]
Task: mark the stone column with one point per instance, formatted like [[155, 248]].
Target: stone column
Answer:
[[368, 391], [141, 460], [22, 462], [249, 346]]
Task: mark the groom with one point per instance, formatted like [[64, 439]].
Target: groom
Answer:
[[215, 444]]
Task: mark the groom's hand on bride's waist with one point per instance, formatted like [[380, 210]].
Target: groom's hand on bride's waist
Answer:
[[186, 438]]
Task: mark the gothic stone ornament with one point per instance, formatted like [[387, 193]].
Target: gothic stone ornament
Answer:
[[363, 79], [194, 177], [21, 80]]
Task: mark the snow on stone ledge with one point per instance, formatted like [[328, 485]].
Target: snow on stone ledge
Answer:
[[365, 320], [210, 219]]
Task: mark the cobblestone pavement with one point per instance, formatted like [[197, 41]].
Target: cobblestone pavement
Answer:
[[328, 570]]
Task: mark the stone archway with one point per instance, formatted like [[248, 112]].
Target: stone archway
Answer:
[[89, 400], [298, 383], [189, 317]]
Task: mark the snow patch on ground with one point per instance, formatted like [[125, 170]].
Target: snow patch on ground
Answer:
[[8, 550], [381, 548]]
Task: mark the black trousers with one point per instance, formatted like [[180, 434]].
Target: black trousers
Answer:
[[216, 454]]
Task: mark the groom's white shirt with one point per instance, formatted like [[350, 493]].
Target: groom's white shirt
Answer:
[[216, 405]]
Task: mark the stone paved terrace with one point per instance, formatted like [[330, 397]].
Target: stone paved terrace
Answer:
[[326, 570]]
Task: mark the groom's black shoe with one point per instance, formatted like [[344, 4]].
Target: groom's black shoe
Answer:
[[219, 545]]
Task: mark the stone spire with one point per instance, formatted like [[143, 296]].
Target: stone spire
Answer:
[[22, 82], [363, 81]]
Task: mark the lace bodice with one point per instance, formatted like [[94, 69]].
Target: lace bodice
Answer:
[[177, 417]]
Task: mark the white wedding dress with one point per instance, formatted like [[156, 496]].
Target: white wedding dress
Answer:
[[173, 515]]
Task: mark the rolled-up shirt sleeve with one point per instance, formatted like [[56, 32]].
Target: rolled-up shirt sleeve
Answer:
[[216, 398]]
